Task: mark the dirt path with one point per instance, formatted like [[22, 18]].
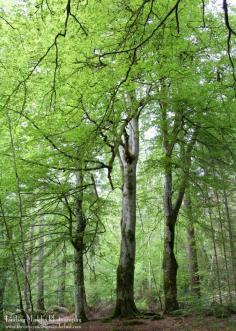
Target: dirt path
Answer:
[[190, 323]]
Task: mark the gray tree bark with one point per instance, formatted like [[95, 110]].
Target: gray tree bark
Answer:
[[28, 270], [192, 248], [223, 244], [215, 252], [62, 280], [128, 154], [170, 265], [78, 243], [40, 276], [171, 207]]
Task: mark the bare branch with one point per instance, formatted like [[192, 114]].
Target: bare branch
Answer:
[[230, 33], [3, 18]]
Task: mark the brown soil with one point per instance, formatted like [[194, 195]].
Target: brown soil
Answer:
[[190, 323]]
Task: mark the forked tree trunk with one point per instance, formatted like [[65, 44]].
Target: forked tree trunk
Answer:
[[192, 249], [40, 294], [78, 242], [171, 207], [128, 153], [171, 211]]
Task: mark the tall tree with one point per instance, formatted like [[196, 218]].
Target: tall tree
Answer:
[[170, 137], [128, 155]]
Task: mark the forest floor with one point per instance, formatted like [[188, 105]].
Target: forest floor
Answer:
[[188, 323]]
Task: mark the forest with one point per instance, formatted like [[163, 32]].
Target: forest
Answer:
[[117, 168]]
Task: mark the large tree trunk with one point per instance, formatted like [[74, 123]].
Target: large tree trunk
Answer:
[[40, 294], [80, 296], [170, 265], [128, 154], [78, 242], [192, 249], [171, 211]]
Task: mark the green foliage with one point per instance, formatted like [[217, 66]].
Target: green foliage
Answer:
[[71, 81]]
